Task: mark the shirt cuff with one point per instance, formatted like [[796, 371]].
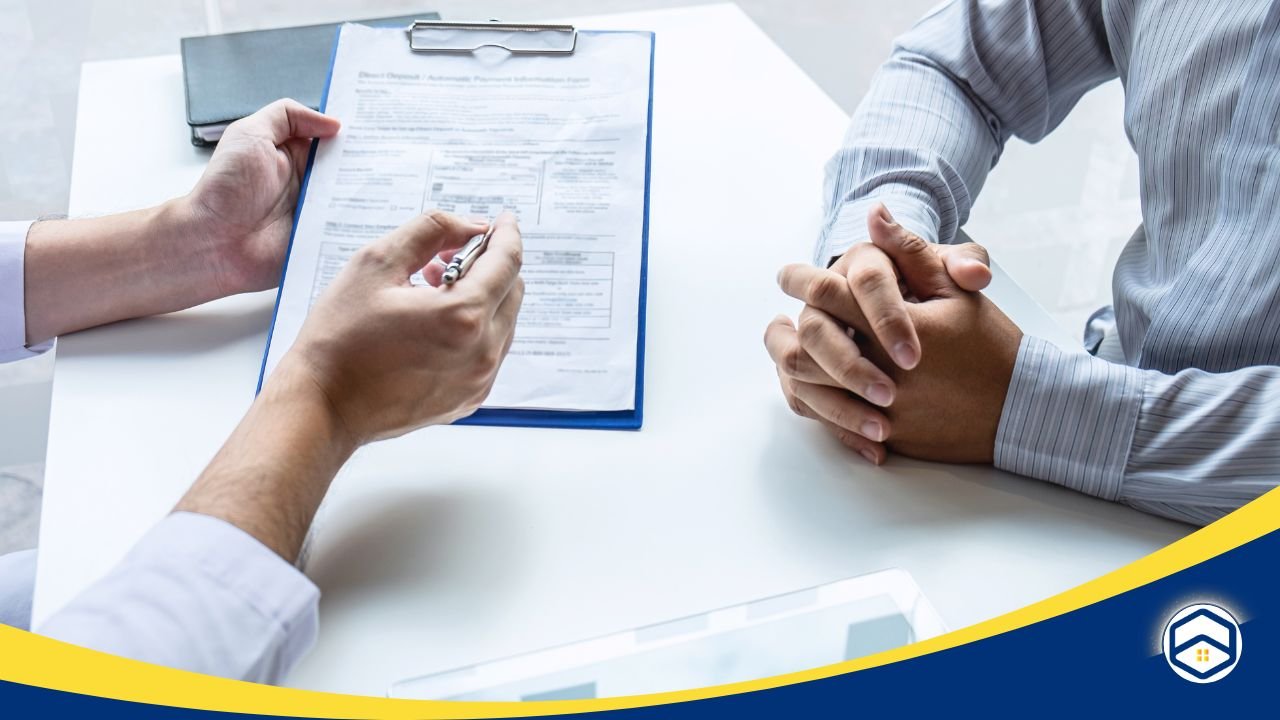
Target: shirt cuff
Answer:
[[240, 563], [849, 223], [1069, 419], [13, 306]]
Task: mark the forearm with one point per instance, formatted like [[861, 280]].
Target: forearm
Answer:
[[87, 272], [212, 588], [917, 143], [1192, 446], [270, 476], [959, 84]]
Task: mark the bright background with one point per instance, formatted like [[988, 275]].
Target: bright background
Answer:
[[1060, 247]]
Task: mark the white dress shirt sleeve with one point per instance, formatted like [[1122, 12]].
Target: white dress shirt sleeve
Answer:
[[13, 306], [199, 594]]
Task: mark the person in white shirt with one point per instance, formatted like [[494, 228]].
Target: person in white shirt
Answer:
[[213, 587]]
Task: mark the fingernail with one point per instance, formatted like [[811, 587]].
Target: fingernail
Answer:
[[870, 456], [880, 394], [871, 430], [887, 216], [905, 355]]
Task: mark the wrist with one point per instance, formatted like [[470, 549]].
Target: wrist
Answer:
[[296, 388], [207, 246], [1003, 361]]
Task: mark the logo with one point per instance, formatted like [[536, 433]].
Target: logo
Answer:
[[1202, 643]]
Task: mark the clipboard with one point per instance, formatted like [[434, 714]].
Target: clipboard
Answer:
[[433, 37]]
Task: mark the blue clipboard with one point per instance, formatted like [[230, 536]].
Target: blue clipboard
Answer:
[[505, 417]]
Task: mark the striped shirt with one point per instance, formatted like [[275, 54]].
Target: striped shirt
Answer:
[[1179, 414]]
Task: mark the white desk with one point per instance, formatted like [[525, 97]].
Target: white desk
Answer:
[[549, 536]]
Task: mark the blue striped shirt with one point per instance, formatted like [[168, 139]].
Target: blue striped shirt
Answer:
[[1179, 414]]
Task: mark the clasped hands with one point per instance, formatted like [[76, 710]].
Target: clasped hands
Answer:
[[896, 348]]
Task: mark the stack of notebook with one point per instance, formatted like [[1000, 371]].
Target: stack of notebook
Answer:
[[230, 76]]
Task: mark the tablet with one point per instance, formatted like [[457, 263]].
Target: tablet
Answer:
[[785, 633]]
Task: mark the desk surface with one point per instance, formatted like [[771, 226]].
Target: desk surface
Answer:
[[551, 536]]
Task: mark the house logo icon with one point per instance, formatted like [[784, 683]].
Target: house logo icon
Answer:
[[1202, 643]]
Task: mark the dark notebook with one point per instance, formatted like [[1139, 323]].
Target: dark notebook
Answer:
[[230, 76]]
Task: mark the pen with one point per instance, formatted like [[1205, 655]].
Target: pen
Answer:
[[466, 257]]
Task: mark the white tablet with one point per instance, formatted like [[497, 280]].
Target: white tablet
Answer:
[[771, 636]]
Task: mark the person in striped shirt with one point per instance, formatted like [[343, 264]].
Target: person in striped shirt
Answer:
[[1177, 410]]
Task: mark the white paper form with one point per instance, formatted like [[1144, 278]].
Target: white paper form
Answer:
[[560, 140]]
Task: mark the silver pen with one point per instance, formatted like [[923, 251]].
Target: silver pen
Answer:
[[466, 257]]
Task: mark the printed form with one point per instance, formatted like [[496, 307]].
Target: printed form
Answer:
[[559, 140]]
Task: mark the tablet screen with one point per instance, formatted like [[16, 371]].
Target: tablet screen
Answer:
[[771, 636]]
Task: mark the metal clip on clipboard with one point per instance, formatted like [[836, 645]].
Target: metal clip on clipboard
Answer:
[[436, 36]]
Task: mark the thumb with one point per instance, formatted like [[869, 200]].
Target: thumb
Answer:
[[916, 258], [285, 119], [411, 246], [968, 265]]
